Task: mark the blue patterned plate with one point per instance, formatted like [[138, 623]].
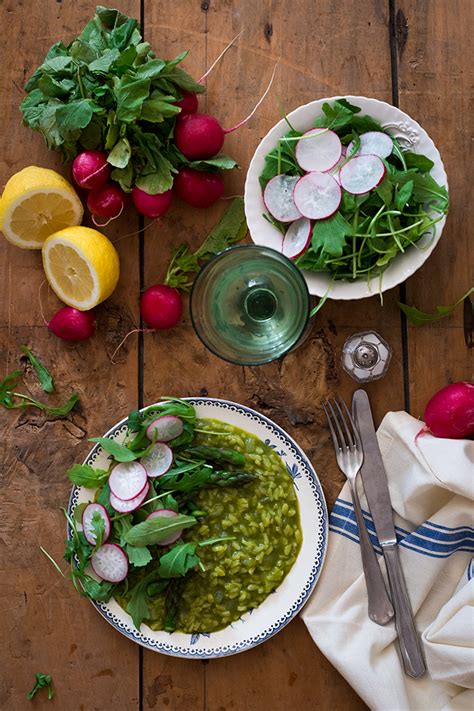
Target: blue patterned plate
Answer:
[[278, 609]]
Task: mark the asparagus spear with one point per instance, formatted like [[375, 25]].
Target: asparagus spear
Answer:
[[217, 454]]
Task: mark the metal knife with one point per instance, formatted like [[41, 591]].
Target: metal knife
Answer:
[[376, 490]]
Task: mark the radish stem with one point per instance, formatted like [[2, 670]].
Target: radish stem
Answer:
[[206, 74], [247, 118]]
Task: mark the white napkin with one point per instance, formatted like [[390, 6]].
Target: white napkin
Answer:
[[431, 484]]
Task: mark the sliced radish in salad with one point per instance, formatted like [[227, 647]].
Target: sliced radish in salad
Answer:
[[166, 427], [278, 198], [319, 149], [166, 513], [110, 563], [362, 174], [317, 195], [122, 506], [159, 460], [375, 143], [87, 527], [127, 480], [296, 238]]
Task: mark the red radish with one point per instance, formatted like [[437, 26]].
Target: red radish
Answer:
[[166, 513], [166, 427], [317, 195], [319, 149], [198, 188], [296, 238], [110, 563], [158, 461], [151, 205], [361, 174], [90, 169], [72, 325], [278, 198], [198, 136], [128, 506], [87, 527], [108, 202], [450, 412], [127, 480], [376, 143], [161, 306], [189, 103]]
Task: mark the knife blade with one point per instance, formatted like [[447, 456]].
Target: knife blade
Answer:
[[374, 479]]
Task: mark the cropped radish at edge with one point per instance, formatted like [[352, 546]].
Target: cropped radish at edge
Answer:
[[158, 461], [110, 562], [165, 428], [90, 170], [450, 412], [87, 528], [317, 195], [296, 238], [166, 513], [319, 149], [73, 325], [278, 197], [127, 480], [128, 506]]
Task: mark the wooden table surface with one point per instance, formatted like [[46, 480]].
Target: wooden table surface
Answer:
[[413, 53]]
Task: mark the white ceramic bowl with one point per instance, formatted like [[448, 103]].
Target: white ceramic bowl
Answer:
[[277, 609], [410, 135]]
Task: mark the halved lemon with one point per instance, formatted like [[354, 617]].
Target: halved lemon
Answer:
[[35, 203], [82, 266]]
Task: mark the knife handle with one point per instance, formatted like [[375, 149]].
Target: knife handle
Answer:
[[379, 606], [408, 637]]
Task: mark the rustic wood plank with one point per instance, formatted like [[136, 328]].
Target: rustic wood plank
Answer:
[[324, 51], [436, 75], [45, 626]]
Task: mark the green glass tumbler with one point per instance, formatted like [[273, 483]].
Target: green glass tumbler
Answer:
[[250, 305]]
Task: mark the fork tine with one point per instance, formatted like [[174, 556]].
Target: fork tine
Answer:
[[337, 425], [337, 446], [354, 427], [348, 433]]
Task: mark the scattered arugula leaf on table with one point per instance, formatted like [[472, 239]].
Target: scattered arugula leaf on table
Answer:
[[419, 318], [42, 681], [44, 376], [231, 229], [13, 400]]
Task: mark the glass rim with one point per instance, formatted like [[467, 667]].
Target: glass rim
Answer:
[[283, 258]]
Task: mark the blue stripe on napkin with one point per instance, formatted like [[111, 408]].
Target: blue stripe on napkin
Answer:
[[430, 539]]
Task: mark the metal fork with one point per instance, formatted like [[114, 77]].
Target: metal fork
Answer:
[[350, 456]]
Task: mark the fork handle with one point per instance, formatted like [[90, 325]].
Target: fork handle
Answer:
[[379, 605]]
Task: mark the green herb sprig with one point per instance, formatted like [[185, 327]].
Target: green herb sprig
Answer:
[[42, 681]]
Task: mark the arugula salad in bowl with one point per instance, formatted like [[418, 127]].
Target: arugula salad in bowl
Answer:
[[352, 190], [182, 523]]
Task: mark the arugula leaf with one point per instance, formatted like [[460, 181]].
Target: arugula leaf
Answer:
[[104, 499], [137, 606], [98, 529], [95, 590], [221, 162], [404, 195], [85, 475], [13, 400], [420, 162], [427, 190], [135, 420], [42, 681], [420, 318], [120, 452], [179, 560], [230, 229], [157, 529], [330, 235], [139, 556], [44, 376]]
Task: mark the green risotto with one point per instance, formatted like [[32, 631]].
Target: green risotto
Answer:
[[263, 520]]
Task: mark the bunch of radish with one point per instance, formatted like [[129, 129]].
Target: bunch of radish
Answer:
[[329, 169], [129, 484]]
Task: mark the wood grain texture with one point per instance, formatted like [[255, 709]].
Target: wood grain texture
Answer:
[[45, 626], [435, 87]]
